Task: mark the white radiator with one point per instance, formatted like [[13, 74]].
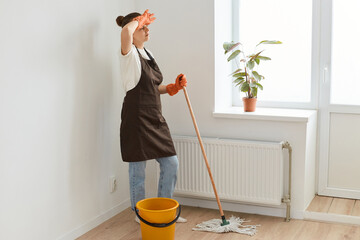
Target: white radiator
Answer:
[[243, 171]]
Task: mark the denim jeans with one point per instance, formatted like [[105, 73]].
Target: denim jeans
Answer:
[[167, 181]]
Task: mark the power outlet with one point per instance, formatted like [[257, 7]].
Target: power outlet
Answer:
[[112, 184]]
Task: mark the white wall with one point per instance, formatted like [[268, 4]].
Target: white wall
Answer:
[[182, 40], [60, 102]]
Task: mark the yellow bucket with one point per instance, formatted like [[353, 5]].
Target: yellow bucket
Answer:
[[157, 218]]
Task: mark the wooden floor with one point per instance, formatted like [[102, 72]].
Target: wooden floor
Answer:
[[123, 226], [340, 206]]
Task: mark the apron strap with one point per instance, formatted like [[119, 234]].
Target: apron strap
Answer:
[[151, 58], [137, 50]]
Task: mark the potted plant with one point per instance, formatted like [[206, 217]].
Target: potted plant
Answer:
[[247, 78]]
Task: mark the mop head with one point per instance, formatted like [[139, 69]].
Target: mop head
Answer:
[[235, 225]]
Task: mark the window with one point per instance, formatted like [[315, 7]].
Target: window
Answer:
[[288, 76]]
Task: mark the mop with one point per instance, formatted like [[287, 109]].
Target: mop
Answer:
[[234, 224]]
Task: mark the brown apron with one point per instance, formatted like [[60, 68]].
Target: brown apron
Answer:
[[144, 133]]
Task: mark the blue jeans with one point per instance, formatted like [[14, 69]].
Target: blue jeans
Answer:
[[167, 181]]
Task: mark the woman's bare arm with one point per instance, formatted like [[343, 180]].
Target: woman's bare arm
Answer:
[[162, 89], [127, 36]]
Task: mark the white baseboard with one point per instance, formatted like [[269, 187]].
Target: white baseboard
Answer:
[[331, 218], [77, 232], [276, 211]]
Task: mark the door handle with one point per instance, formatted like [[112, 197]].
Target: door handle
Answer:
[[325, 73]]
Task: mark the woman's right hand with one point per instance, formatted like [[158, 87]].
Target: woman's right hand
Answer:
[[129, 29], [145, 19]]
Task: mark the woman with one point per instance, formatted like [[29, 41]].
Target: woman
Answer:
[[144, 133]]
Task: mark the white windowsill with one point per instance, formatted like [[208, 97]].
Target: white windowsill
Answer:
[[267, 114]]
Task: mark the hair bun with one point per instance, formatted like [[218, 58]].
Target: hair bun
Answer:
[[119, 20]]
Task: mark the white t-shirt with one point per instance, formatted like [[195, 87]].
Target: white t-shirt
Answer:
[[130, 67]]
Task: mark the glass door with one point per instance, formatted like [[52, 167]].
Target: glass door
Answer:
[[339, 105]]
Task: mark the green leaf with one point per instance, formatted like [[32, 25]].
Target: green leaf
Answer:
[[236, 71], [269, 42], [255, 56], [257, 61], [245, 87], [237, 75], [263, 58], [233, 55], [250, 64], [254, 91], [239, 83], [241, 74], [230, 46], [256, 75], [259, 85], [227, 45], [239, 80]]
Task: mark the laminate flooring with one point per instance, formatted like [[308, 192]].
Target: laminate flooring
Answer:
[[341, 206], [122, 226]]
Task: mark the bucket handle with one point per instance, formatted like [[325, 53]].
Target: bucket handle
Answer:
[[159, 225]]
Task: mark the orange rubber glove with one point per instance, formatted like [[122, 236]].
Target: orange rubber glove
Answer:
[[145, 19], [180, 82]]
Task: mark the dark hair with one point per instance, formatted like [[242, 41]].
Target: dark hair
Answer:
[[122, 21]]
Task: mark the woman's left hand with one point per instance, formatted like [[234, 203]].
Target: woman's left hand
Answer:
[[180, 82]]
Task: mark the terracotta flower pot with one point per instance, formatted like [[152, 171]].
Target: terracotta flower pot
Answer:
[[249, 104]]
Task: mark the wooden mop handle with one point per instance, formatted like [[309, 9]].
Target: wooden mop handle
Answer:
[[203, 150]]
